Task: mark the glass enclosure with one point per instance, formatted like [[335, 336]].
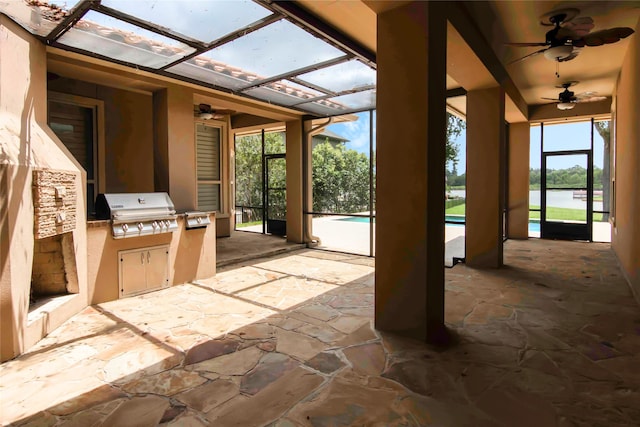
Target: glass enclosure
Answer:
[[260, 178], [343, 173], [576, 179], [248, 48]]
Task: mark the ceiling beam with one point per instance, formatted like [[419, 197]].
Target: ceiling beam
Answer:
[[459, 91], [460, 17]]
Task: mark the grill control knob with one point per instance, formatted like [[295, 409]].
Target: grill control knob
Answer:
[[199, 220], [154, 224], [140, 226], [168, 223], [125, 227]]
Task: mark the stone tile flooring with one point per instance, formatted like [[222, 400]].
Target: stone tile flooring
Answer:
[[553, 339]]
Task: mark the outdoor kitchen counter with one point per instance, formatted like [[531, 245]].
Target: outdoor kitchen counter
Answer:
[[192, 255]]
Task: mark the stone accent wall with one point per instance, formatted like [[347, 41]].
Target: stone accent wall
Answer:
[[54, 202]]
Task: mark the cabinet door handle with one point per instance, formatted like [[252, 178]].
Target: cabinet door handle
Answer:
[[148, 257], [142, 258]]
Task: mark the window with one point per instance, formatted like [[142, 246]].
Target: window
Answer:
[[209, 165], [75, 121]]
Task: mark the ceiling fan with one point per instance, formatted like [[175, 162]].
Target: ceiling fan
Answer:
[[566, 99], [569, 34], [205, 112]]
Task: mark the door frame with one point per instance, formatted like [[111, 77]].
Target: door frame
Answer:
[[564, 230], [273, 226]]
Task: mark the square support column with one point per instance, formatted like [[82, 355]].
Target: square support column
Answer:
[[294, 181], [174, 146], [518, 210], [485, 177], [411, 120]]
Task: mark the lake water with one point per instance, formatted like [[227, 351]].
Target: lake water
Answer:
[[558, 199]]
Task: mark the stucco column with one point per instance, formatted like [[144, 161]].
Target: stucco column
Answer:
[[409, 277], [174, 146], [294, 181], [485, 169], [27, 143], [518, 210]]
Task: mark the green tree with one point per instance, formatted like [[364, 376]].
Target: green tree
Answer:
[[604, 131], [248, 165], [340, 179], [455, 126]]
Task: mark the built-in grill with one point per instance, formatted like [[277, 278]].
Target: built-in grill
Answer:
[[137, 214]]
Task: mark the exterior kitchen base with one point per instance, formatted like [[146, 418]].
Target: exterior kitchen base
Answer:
[[192, 255]]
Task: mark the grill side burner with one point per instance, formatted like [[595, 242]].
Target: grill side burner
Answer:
[[196, 220], [137, 214]]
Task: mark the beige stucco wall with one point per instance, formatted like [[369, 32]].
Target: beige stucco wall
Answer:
[[27, 143], [409, 276], [192, 256], [128, 128], [485, 137], [518, 209], [294, 182], [626, 233]]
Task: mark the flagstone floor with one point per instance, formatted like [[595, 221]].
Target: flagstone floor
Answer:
[[552, 339]]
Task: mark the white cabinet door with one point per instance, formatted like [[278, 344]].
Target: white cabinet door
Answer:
[[143, 270], [157, 268], [133, 271]]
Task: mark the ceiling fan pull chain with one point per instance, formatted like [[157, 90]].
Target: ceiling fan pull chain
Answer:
[[558, 69]]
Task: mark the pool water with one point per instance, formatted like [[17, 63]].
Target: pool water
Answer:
[[453, 220]]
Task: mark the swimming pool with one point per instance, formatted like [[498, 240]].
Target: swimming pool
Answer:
[[452, 220]]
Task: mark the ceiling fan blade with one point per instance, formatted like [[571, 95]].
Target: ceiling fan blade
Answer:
[[526, 44], [591, 99], [586, 94], [577, 28], [527, 56], [550, 99], [608, 36], [223, 111]]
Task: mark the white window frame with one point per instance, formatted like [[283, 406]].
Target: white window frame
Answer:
[[97, 105]]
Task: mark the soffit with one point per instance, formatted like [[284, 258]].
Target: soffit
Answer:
[[354, 18]]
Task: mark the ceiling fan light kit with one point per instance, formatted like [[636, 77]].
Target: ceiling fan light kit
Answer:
[[557, 53], [565, 105], [205, 116]]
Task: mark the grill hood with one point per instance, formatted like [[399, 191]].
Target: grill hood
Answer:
[[137, 214]]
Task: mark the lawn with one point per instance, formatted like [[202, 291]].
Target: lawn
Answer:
[[248, 224], [455, 210], [562, 214]]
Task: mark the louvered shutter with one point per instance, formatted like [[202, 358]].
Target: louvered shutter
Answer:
[[208, 167]]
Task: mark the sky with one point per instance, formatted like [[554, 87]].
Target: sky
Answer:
[[566, 136], [357, 132]]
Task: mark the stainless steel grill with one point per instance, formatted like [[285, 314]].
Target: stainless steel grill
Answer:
[[196, 220], [137, 214]]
